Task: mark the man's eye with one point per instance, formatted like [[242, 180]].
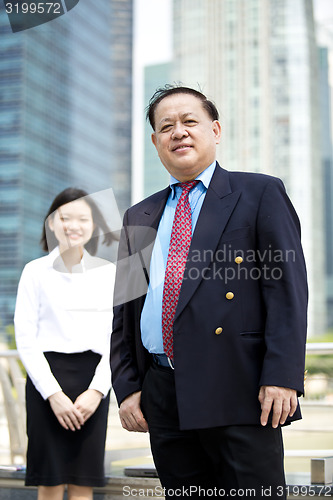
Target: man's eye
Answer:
[[165, 128], [190, 121]]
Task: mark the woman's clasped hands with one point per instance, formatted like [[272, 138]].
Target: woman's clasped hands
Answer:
[[73, 415]]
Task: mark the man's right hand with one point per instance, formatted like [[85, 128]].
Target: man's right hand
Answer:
[[130, 414]]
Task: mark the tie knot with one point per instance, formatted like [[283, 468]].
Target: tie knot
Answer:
[[187, 186]]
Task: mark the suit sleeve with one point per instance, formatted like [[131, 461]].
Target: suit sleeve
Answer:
[[124, 369], [284, 289]]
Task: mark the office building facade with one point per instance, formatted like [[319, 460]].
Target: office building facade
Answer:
[[257, 59], [65, 96], [155, 176], [327, 169]]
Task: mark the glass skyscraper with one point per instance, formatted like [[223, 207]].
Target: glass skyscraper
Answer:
[[327, 166], [155, 175], [257, 59], [65, 98]]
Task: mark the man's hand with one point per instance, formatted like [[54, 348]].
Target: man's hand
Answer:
[[63, 407], [130, 414], [283, 401], [88, 402]]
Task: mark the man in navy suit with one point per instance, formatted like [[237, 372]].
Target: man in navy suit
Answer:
[[215, 410]]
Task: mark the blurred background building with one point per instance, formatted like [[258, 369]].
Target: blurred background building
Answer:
[[154, 179], [69, 113], [324, 32], [65, 106], [327, 169], [259, 61]]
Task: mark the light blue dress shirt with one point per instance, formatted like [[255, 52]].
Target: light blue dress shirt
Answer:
[[151, 316]]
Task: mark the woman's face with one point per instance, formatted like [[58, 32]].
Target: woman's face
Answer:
[[72, 224]]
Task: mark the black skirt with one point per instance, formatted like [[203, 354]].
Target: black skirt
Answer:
[[58, 456]]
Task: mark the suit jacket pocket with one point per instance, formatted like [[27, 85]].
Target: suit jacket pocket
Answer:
[[252, 335], [236, 234]]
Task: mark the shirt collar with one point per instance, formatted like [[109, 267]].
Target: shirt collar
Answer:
[[56, 262], [52, 256], [205, 177]]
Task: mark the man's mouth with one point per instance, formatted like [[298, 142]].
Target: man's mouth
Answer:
[[181, 146]]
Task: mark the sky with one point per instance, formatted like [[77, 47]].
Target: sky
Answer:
[[153, 24], [323, 10]]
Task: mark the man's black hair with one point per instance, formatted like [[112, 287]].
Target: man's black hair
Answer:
[[163, 92]]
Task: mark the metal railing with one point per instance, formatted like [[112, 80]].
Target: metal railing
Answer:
[[12, 383], [321, 348]]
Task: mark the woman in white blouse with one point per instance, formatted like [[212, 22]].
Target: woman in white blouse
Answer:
[[63, 321]]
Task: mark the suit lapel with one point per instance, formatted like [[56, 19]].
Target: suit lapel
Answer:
[[216, 210], [145, 229]]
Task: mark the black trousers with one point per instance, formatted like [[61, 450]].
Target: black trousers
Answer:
[[236, 461]]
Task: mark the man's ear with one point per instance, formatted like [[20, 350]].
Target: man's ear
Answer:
[[153, 139], [217, 130]]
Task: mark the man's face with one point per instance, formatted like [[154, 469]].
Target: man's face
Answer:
[[185, 136]]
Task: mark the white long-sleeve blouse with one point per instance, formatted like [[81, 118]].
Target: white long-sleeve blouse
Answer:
[[64, 312]]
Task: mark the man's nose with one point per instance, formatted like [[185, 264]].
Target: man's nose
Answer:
[[179, 131]]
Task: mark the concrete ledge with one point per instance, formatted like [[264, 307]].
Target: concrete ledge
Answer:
[[117, 488], [122, 487], [322, 470]]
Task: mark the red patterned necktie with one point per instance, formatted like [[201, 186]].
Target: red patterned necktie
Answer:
[[180, 241]]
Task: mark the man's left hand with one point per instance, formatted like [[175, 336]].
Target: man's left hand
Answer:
[[282, 400]]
